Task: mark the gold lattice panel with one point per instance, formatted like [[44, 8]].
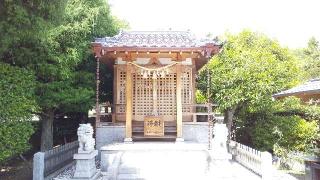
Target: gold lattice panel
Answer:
[[142, 96], [166, 95], [186, 88], [165, 89], [121, 94]]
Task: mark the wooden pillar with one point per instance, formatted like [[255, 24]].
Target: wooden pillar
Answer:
[[128, 137], [179, 104], [115, 93]]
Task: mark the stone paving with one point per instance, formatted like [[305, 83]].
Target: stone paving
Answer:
[[176, 164]]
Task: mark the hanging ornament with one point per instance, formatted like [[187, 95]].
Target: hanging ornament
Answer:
[[145, 74], [154, 75], [163, 74]]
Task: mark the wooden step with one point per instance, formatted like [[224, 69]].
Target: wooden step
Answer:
[[166, 129], [140, 137], [169, 127]]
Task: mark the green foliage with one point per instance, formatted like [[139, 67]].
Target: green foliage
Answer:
[[17, 100], [283, 126], [52, 40], [310, 56], [17, 103], [289, 132], [249, 70], [200, 97], [294, 106], [14, 137]]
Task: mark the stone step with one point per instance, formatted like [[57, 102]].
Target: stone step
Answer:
[[129, 177], [141, 137], [127, 169]]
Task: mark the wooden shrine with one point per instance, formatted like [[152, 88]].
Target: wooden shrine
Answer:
[[154, 79]]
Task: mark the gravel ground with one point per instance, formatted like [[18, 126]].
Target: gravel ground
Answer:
[[68, 172]]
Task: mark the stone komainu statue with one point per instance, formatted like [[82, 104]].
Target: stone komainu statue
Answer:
[[220, 137], [86, 141]]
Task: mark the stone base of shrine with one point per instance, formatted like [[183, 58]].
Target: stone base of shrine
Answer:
[[108, 133], [195, 132]]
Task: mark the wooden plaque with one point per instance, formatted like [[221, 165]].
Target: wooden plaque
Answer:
[[153, 126]]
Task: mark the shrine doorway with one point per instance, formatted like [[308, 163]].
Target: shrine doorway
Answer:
[[154, 97]]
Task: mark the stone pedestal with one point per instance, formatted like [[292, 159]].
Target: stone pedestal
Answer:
[[219, 143], [128, 140], [179, 140], [86, 166]]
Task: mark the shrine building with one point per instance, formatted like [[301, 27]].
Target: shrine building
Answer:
[[154, 85]]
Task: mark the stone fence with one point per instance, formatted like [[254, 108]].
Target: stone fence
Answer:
[[48, 162], [257, 161]]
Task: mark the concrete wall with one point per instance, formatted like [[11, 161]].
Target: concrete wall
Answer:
[[196, 132], [107, 134]]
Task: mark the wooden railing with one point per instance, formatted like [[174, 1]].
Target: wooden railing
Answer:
[[46, 163], [198, 110], [257, 161], [105, 109]]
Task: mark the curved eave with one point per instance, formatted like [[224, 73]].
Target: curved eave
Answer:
[[99, 50], [300, 93]]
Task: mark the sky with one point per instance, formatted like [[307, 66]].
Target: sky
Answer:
[[291, 22]]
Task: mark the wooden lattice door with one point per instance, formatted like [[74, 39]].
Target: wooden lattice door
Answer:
[[155, 94], [154, 97]]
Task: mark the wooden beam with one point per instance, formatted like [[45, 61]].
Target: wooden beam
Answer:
[[133, 55], [128, 104], [154, 49]]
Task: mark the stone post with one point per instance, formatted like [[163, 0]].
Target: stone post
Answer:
[[266, 165], [38, 166]]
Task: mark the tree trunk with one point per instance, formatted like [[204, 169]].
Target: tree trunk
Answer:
[[46, 131], [228, 119]]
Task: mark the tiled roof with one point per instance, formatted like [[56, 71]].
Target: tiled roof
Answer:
[[154, 39], [312, 86]]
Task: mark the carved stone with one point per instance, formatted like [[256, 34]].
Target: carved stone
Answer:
[[86, 141], [219, 143], [85, 158]]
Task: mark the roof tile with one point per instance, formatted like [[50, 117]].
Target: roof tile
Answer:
[[308, 87], [154, 39]]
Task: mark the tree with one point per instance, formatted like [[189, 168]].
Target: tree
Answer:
[[287, 124], [70, 87], [24, 28], [250, 68], [52, 40], [310, 57], [17, 103]]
